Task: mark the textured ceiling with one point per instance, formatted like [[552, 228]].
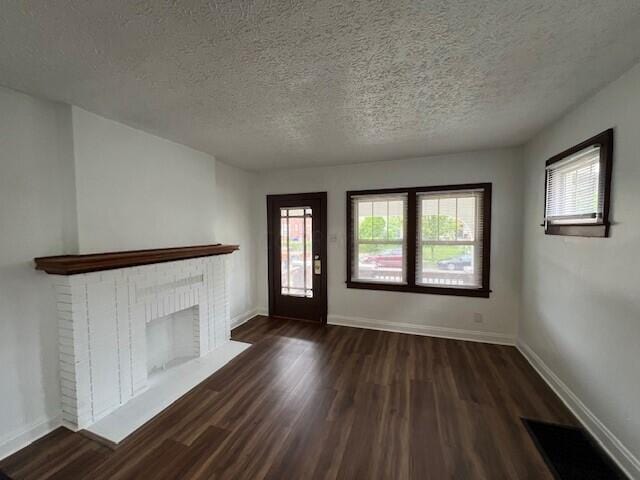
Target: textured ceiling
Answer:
[[264, 84]]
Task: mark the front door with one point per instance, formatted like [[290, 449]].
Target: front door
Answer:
[[297, 231]]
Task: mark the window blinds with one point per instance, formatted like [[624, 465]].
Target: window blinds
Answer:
[[379, 246], [450, 238], [575, 189]]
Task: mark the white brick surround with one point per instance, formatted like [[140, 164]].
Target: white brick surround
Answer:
[[102, 328]]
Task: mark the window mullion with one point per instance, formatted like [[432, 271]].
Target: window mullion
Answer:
[[381, 242], [411, 234], [450, 242]]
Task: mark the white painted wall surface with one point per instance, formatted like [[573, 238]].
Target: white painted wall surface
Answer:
[[37, 217], [581, 299], [500, 312], [136, 190], [235, 223]]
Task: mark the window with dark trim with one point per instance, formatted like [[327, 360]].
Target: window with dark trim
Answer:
[[578, 189], [420, 239]]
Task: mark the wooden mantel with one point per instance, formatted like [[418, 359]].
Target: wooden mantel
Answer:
[[94, 262]]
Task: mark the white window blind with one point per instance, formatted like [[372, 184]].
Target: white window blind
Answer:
[[575, 189], [379, 246], [450, 238]]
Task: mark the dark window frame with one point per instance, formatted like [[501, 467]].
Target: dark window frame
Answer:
[[601, 228], [412, 240]]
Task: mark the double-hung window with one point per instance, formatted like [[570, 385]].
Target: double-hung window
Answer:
[[380, 238], [451, 237], [425, 239], [577, 189]]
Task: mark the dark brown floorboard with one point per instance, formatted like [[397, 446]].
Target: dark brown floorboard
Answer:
[[312, 402]]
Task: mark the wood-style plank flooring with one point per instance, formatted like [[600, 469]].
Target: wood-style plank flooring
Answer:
[[312, 402]]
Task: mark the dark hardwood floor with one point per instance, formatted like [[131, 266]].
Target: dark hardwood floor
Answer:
[[307, 402]]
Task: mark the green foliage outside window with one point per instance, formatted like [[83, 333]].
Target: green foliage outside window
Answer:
[[434, 227]]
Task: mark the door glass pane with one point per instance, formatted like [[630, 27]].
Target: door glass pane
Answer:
[[296, 251], [308, 261], [284, 251]]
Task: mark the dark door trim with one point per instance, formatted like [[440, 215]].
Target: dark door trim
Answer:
[[271, 253]]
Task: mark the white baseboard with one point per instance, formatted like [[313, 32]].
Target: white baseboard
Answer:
[[426, 330], [609, 442], [245, 317], [20, 438]]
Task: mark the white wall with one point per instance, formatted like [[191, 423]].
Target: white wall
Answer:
[[581, 297], [235, 224], [136, 190], [431, 313], [37, 217]]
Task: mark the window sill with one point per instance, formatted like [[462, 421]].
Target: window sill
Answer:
[[577, 230], [459, 292]]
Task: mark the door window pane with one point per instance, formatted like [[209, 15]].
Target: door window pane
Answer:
[[308, 262], [296, 251]]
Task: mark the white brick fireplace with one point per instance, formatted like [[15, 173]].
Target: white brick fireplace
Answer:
[[118, 326]]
